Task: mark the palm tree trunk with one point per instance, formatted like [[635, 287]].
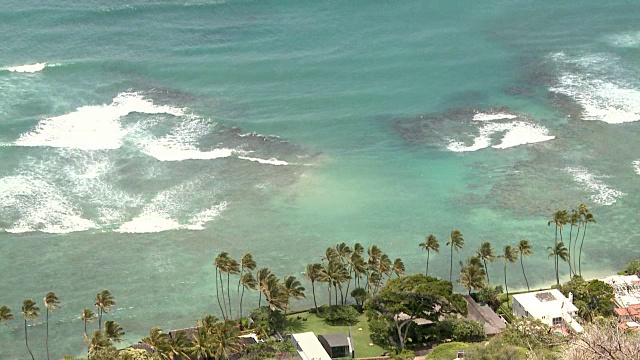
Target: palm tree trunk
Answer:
[[218, 294], [505, 282], [569, 249], [486, 272], [240, 304], [575, 243], [259, 299], [329, 287], [224, 303], [523, 273], [426, 273], [85, 328], [451, 266], [100, 318], [241, 297], [26, 339], [335, 288], [557, 275], [229, 293], [47, 336], [580, 254], [348, 283], [313, 289]]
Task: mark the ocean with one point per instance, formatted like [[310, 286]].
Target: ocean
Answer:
[[139, 139]]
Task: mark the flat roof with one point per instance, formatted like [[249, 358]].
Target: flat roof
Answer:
[[309, 347], [547, 302]]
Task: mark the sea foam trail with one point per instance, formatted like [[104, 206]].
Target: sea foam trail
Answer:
[[627, 39], [516, 133], [600, 86], [29, 68], [604, 195], [491, 117], [93, 127], [270, 161], [198, 221], [636, 166]]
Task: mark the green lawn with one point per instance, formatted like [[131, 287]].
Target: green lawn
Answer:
[[361, 338]]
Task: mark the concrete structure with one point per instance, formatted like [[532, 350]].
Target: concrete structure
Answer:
[[309, 347], [482, 313], [548, 306], [337, 345], [626, 301]]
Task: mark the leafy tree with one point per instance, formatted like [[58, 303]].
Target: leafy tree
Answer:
[[491, 296], [592, 298], [30, 312], [485, 253], [340, 315], [415, 296], [51, 302], [524, 247], [456, 241], [104, 301], [87, 316], [462, 329], [403, 355], [530, 334], [113, 331], [510, 255], [313, 274], [5, 315], [430, 243]]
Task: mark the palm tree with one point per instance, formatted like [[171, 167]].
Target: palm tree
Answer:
[[559, 251], [224, 340], [471, 276], [510, 256], [293, 289], [430, 243], [248, 282], [30, 312], [262, 276], [246, 264], [456, 241], [104, 301], [587, 218], [99, 341], [222, 263], [158, 341], [559, 218], [312, 273], [525, 250], [87, 316], [398, 267], [179, 345], [113, 331], [51, 302], [574, 220], [5, 315], [485, 253], [233, 267], [201, 345]]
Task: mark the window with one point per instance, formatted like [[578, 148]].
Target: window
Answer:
[[557, 321]]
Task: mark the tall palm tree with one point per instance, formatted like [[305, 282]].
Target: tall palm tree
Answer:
[[510, 255], [587, 218], [430, 243], [263, 276], [559, 251], [357, 260], [456, 241], [574, 220], [247, 264], [30, 312], [113, 331], [104, 301], [559, 218], [312, 273], [233, 267], [99, 341], [275, 294], [221, 262], [525, 250], [293, 289], [87, 316], [5, 315], [471, 276], [248, 282], [485, 253], [51, 302]]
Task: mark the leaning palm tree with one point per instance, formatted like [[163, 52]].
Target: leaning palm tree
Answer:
[[113, 331], [456, 241], [5, 315], [587, 218], [233, 267], [430, 243], [398, 267], [471, 276], [30, 312], [51, 302], [262, 276], [247, 264], [87, 316], [293, 289], [574, 221], [559, 251], [485, 253], [222, 263], [525, 250], [249, 283], [104, 301], [559, 218], [312, 273], [510, 255]]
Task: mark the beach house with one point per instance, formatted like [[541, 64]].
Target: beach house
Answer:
[[548, 306]]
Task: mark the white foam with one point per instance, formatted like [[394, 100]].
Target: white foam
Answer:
[[604, 195], [636, 166], [197, 222], [491, 117], [270, 161], [40, 207], [164, 152], [93, 127], [600, 86], [149, 223], [516, 133], [29, 68], [627, 39]]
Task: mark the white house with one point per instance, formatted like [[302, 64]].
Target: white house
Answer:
[[309, 347], [548, 306]]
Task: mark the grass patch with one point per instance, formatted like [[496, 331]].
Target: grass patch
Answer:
[[361, 338]]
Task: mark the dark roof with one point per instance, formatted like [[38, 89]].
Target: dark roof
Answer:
[[142, 346], [191, 332], [335, 340], [491, 322]]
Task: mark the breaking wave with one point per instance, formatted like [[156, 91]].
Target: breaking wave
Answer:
[[271, 161], [28, 68], [515, 133], [603, 194]]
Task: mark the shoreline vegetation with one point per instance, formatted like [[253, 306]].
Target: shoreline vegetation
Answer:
[[367, 277]]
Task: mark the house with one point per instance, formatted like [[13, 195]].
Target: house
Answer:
[[548, 306], [482, 313], [337, 345], [626, 301], [309, 347]]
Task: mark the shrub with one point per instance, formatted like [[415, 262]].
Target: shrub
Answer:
[[495, 350], [404, 355], [447, 351], [633, 268], [460, 330], [340, 315]]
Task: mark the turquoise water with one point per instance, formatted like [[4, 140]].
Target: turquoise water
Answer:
[[145, 138]]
